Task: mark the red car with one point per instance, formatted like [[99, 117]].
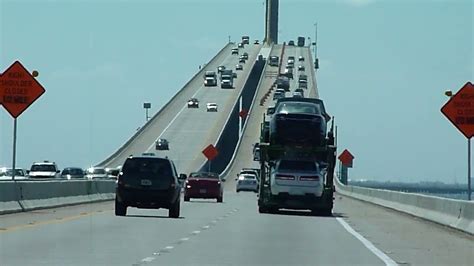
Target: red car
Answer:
[[203, 185]]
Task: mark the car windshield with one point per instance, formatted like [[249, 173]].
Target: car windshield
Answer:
[[43, 168], [287, 165], [298, 107], [249, 177]]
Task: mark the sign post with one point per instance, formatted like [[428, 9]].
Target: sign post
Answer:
[[210, 152], [460, 111], [18, 90], [346, 159]]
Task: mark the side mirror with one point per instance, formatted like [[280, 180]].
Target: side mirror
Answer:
[[236, 179], [27, 172], [182, 177], [57, 171]]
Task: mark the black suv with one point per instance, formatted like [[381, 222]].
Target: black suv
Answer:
[[148, 182]]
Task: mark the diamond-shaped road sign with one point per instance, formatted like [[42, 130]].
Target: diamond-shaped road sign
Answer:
[[243, 113], [18, 89], [460, 110], [346, 158], [210, 152]]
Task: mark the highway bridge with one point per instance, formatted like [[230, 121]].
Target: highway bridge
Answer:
[[232, 233], [367, 227]]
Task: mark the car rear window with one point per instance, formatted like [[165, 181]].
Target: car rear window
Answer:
[[43, 168], [151, 168], [287, 165], [298, 107]]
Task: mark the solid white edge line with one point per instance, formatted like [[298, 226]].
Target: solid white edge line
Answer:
[[386, 259]]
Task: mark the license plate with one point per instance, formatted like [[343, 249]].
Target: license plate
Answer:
[[146, 182], [202, 191]]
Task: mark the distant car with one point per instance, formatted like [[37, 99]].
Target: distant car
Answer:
[[291, 43], [7, 174], [301, 68], [256, 42], [239, 67], [210, 78], [220, 69], [278, 95], [96, 173], [45, 169], [242, 61], [150, 183], [246, 182], [73, 173], [112, 172], [256, 152], [211, 107], [252, 171], [193, 103], [303, 84], [241, 45], [245, 56], [300, 90], [283, 82], [204, 185], [288, 72], [303, 77], [235, 50], [162, 144], [301, 58], [291, 116], [297, 94]]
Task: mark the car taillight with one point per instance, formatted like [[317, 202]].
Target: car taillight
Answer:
[[285, 177], [188, 186], [309, 178]]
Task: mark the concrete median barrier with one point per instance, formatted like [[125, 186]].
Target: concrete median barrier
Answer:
[[31, 195], [458, 214]]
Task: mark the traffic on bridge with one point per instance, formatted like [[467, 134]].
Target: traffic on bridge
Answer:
[[265, 142]]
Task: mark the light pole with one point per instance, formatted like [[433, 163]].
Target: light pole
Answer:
[[146, 106], [449, 93], [316, 60]]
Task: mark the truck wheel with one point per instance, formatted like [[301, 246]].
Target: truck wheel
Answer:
[[220, 199], [186, 198], [173, 212], [120, 209]]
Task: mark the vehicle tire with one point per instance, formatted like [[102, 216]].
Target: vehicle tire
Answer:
[[326, 212], [186, 198], [272, 210], [262, 209], [237, 190], [220, 199], [120, 209], [173, 212]]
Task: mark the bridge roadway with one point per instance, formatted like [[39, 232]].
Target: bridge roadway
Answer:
[[190, 130], [231, 233]]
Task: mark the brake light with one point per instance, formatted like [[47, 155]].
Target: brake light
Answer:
[[309, 178], [285, 177]]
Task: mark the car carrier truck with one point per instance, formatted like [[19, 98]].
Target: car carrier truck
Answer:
[[297, 166]]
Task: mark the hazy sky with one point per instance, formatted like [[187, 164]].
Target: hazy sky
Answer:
[[384, 66]]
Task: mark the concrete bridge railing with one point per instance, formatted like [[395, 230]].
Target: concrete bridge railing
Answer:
[[458, 214]]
